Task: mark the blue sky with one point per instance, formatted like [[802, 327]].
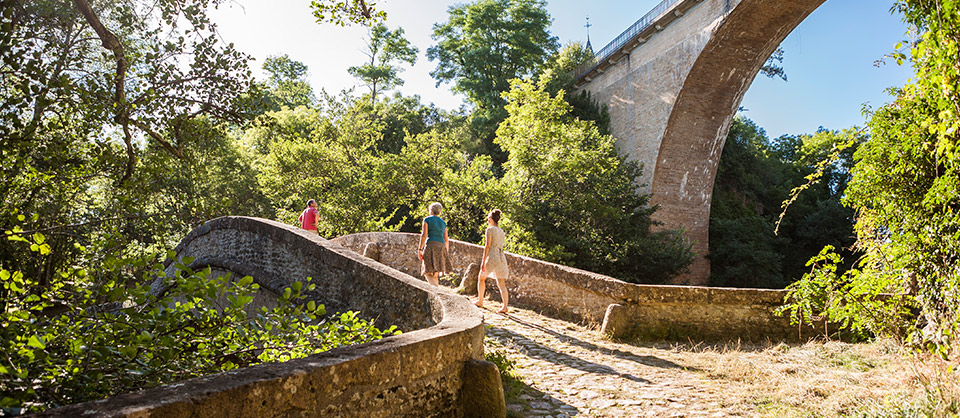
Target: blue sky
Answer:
[[829, 58]]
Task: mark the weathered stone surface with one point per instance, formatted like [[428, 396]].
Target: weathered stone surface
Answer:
[[372, 251], [616, 322], [416, 374], [564, 291], [482, 393], [672, 99], [646, 311], [468, 283]]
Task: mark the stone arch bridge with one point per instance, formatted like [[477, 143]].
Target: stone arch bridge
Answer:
[[673, 82], [436, 368]]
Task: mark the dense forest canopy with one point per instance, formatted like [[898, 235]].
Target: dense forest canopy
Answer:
[[125, 124]]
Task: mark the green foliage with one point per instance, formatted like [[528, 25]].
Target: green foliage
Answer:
[[905, 188], [65, 79], [504, 363], [115, 154], [383, 48], [487, 43], [401, 116], [772, 67], [483, 46], [572, 198], [89, 148], [287, 84], [468, 191], [346, 12], [94, 333], [852, 300], [558, 75], [754, 176], [339, 167]]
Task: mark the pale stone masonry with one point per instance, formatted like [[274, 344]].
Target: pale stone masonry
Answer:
[[619, 309]]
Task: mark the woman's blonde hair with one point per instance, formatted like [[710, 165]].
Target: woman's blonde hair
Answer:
[[435, 208]]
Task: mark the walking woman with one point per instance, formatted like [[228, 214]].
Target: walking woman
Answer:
[[494, 261], [435, 254]]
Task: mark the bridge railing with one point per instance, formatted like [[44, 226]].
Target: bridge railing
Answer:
[[624, 38]]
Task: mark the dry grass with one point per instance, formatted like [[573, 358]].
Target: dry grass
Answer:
[[832, 379]]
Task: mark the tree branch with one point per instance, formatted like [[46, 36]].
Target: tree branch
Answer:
[[156, 136], [111, 42]]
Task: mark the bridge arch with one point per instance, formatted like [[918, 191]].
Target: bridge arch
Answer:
[[673, 89]]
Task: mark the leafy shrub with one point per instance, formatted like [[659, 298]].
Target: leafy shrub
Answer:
[[906, 191], [500, 358], [93, 334]]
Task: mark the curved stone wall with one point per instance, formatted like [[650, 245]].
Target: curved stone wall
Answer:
[[623, 309], [416, 374]]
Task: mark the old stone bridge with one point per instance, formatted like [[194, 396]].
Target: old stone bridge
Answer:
[[673, 82], [436, 368]]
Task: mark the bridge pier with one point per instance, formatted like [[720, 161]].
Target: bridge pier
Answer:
[[673, 96]]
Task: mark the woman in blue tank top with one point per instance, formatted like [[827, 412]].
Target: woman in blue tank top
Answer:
[[435, 253]]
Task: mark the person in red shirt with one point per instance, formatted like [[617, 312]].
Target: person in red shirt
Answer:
[[310, 216]]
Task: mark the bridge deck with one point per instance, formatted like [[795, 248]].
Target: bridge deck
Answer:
[[637, 34]]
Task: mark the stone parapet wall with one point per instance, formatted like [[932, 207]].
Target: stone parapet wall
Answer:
[[416, 374], [546, 287], [645, 311]]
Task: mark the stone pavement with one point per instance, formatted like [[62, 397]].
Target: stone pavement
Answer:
[[567, 370]]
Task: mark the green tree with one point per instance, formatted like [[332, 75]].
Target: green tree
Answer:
[[384, 47], [287, 85], [483, 46], [906, 191], [83, 106], [572, 199], [754, 176]]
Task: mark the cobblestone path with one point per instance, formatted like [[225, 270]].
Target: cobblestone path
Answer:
[[567, 370]]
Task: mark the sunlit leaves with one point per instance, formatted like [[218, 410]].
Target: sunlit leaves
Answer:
[[906, 189], [347, 12], [77, 340]]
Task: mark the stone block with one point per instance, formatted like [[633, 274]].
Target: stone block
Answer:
[[372, 251], [481, 395], [468, 284], [616, 321]]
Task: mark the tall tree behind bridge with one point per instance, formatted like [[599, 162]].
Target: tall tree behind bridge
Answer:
[[486, 44], [287, 84], [384, 47]]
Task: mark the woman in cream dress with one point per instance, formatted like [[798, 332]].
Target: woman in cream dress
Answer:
[[494, 262]]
